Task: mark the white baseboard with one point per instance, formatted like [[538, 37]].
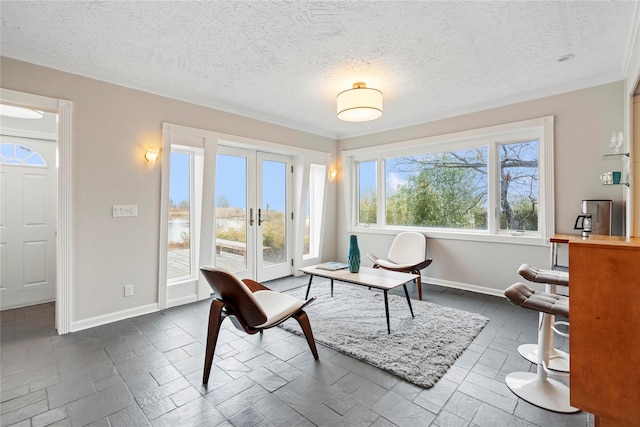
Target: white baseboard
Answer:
[[464, 286], [150, 308], [112, 317], [458, 285]]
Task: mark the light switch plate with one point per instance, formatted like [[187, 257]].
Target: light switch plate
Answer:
[[125, 210]]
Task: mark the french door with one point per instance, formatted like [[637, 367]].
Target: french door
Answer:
[[253, 218]]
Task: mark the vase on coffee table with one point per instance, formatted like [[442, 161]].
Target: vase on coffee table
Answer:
[[354, 255]]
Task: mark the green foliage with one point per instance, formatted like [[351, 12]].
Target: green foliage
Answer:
[[235, 234], [231, 225], [450, 189], [273, 234], [368, 208], [440, 196], [518, 186], [523, 215]]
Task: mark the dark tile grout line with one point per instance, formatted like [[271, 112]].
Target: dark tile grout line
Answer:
[[178, 318]]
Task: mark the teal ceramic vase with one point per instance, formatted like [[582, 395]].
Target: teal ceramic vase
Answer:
[[354, 255]]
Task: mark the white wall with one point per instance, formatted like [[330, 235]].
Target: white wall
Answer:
[[584, 121], [111, 127], [113, 124]]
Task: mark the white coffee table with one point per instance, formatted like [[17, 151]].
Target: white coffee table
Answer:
[[370, 277]]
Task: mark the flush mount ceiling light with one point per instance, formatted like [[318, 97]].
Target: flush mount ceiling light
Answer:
[[19, 112], [359, 104]]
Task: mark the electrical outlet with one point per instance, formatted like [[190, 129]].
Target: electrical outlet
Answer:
[[128, 290]]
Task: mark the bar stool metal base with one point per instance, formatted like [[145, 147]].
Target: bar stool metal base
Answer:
[[558, 359], [546, 393]]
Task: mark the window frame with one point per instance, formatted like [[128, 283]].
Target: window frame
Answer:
[[539, 128], [207, 143]]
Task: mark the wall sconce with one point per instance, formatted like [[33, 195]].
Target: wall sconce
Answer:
[[151, 155], [332, 174]]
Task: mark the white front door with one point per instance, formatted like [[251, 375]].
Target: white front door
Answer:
[[28, 209]]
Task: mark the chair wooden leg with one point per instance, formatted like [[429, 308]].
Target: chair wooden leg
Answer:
[[419, 283], [215, 320], [303, 320]]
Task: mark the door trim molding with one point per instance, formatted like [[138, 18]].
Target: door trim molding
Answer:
[[210, 141], [63, 298], [64, 109]]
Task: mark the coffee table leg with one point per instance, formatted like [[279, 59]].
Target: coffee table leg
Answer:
[[331, 288], [408, 299], [386, 310], [306, 297]]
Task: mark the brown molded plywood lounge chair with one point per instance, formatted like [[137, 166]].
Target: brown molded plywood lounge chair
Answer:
[[408, 254], [253, 308]]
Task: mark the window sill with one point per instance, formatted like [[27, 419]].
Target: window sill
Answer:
[[528, 238]]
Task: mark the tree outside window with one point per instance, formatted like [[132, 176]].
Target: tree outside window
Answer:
[[442, 190], [450, 189], [519, 195], [367, 200]]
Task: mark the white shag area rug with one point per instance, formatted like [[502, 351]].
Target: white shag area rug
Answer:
[[419, 349]]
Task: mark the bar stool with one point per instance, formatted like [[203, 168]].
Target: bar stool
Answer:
[[558, 359], [537, 388]]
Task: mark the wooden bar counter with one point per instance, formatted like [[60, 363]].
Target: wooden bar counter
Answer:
[[604, 337]]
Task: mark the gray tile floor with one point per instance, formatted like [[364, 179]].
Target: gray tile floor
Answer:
[[147, 371]]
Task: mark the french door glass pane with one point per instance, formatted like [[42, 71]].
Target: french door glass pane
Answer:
[[273, 212], [231, 212], [179, 246]]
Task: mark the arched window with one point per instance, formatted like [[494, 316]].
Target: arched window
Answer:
[[20, 155]]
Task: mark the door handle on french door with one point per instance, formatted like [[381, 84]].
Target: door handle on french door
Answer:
[[259, 216], [250, 216]]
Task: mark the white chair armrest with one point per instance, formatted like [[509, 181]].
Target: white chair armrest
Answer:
[[392, 265]]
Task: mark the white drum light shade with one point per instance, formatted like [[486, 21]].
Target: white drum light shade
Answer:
[[19, 112], [359, 104]]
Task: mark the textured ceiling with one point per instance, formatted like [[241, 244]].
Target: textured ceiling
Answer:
[[285, 61]]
